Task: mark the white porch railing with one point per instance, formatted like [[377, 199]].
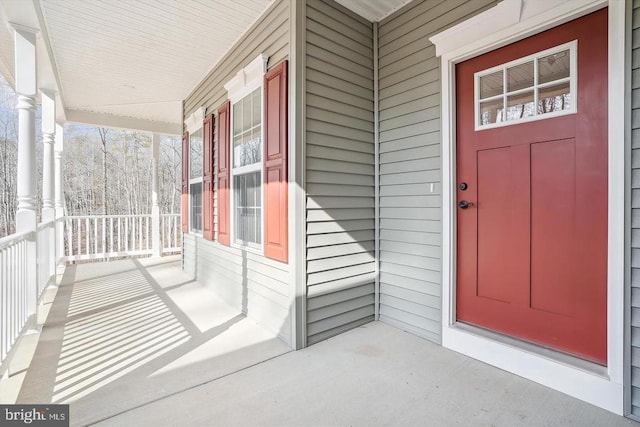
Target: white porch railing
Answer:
[[46, 254], [28, 260], [170, 233], [112, 236], [14, 307]]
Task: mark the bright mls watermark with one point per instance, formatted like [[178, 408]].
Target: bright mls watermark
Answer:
[[34, 415]]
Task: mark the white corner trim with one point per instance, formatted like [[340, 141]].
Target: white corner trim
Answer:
[[508, 22], [490, 30], [247, 79], [194, 121], [616, 193]]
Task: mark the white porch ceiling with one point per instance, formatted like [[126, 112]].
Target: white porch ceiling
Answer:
[[130, 63], [373, 10]]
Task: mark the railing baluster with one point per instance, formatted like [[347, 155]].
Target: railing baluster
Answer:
[[134, 229], [69, 249], [147, 234], [87, 234], [136, 233], [134, 242], [104, 237], [175, 232], [10, 290], [163, 225], [110, 235], [79, 236], [4, 301]]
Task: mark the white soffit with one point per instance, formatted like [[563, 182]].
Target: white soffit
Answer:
[[373, 10], [134, 60]]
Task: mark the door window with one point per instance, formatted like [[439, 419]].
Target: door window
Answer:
[[538, 86]]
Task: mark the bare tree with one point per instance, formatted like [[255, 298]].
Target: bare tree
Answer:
[[103, 139]]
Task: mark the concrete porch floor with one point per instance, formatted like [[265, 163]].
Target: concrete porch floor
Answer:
[[138, 343]]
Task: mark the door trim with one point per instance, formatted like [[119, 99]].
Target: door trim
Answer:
[[510, 21]]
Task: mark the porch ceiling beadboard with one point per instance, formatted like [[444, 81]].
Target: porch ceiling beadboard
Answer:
[[373, 10], [136, 59]]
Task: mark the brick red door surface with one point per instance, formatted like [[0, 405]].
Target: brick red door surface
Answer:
[[532, 245]]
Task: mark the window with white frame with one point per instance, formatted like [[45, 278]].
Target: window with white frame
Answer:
[[195, 181], [245, 94], [535, 87], [246, 169]]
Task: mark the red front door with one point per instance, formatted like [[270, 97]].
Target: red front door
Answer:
[[532, 241]]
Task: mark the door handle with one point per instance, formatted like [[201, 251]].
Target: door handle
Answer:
[[463, 204]]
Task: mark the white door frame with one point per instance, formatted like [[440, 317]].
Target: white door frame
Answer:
[[510, 21]]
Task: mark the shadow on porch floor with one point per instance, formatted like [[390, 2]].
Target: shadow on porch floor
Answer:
[[125, 333], [137, 343]]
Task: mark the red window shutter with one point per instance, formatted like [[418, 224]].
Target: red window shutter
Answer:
[[275, 163], [224, 140], [185, 182], [207, 178]]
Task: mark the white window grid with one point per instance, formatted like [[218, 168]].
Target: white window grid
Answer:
[[571, 46]]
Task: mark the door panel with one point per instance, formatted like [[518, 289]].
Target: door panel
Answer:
[[532, 248], [553, 229], [502, 226]]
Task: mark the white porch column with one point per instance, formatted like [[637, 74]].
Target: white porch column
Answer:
[[155, 207], [58, 193], [48, 210], [48, 135], [26, 220]]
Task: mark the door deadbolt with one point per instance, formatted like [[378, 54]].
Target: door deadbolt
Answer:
[[463, 186]]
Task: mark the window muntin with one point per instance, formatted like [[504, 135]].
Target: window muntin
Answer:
[[535, 87], [247, 170], [195, 180]]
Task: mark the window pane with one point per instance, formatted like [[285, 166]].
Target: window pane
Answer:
[[247, 140], [553, 67], [195, 193], [520, 106], [247, 149], [257, 110], [520, 77], [491, 85], [195, 154], [246, 112], [491, 112], [237, 115], [256, 145], [554, 98], [248, 208]]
